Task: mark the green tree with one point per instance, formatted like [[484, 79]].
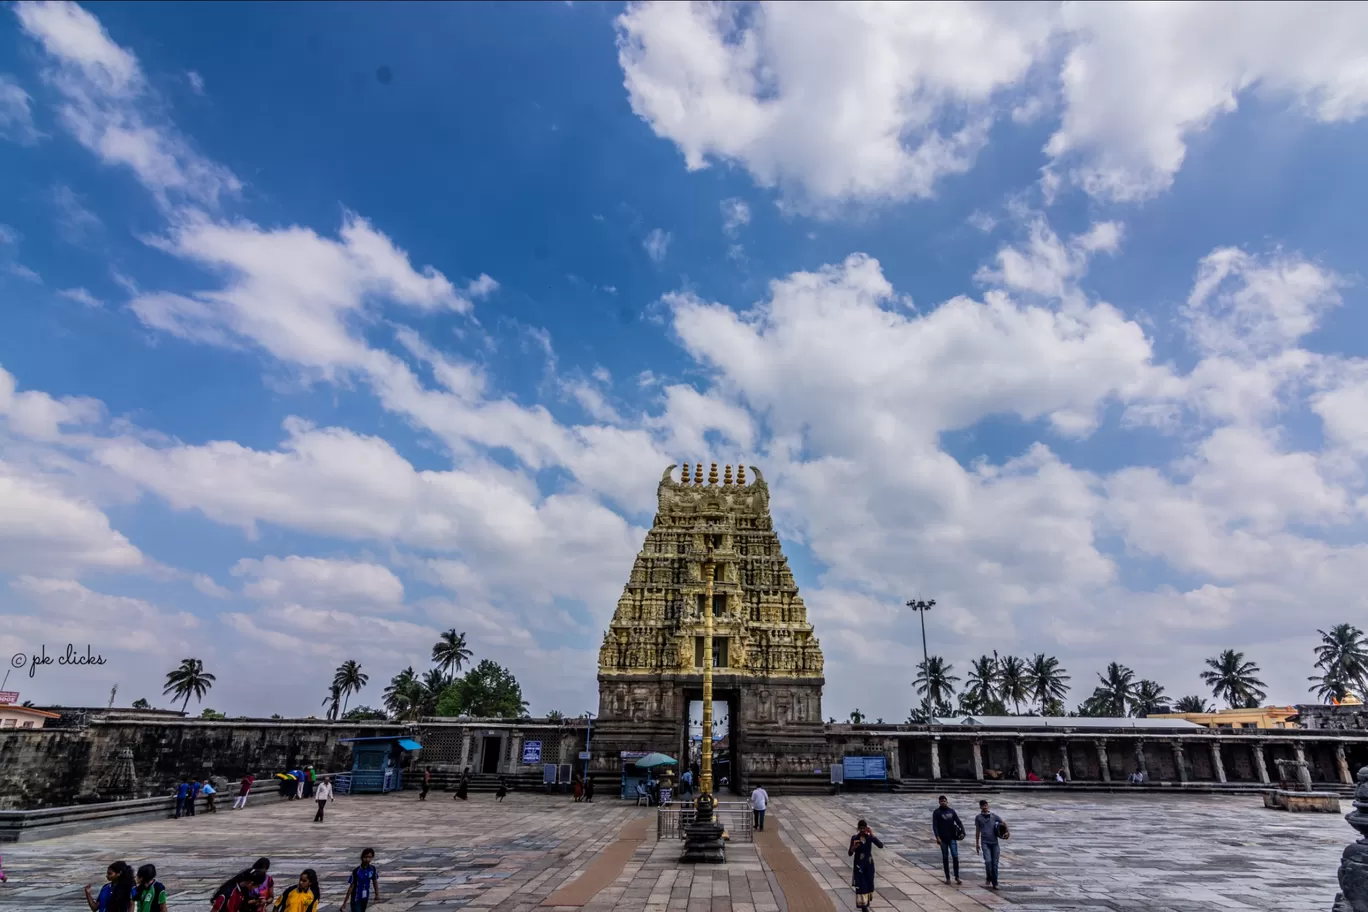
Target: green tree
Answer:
[[141, 703], [1192, 704], [1149, 699], [1233, 678], [333, 702], [189, 679], [555, 715], [856, 717], [404, 695], [934, 680], [1342, 658], [212, 714], [1047, 681], [1116, 695], [364, 714], [450, 652], [1014, 682], [980, 685], [349, 679], [487, 691]]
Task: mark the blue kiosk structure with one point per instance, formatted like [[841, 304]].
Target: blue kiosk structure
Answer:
[[376, 763]]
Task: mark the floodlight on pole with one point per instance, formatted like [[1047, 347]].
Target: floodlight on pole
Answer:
[[921, 606]]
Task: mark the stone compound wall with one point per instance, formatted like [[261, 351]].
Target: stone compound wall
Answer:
[[51, 767]]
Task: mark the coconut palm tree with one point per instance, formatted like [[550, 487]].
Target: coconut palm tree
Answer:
[[189, 679], [938, 684], [1047, 682], [1342, 658], [1234, 679], [555, 715], [404, 695], [1149, 699], [1192, 704], [1116, 695], [349, 679], [856, 717], [450, 652], [333, 702], [980, 685], [1014, 682]]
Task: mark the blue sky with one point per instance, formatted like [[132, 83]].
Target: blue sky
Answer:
[[335, 326]]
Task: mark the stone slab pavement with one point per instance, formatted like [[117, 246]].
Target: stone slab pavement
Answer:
[[1122, 853]]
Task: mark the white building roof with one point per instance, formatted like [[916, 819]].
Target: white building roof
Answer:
[[1066, 722]]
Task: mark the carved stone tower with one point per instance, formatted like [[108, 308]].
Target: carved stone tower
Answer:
[[767, 661]]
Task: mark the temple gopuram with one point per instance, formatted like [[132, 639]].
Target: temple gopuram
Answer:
[[767, 661]]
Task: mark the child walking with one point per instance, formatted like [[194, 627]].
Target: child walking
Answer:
[[363, 887]]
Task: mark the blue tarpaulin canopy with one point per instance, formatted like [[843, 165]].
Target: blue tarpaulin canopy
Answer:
[[408, 745]]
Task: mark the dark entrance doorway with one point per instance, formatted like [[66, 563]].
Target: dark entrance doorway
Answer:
[[490, 756], [726, 762]]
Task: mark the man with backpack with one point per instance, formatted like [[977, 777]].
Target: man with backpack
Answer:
[[948, 830], [988, 829]]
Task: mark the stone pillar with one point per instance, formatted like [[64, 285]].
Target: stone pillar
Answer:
[[935, 758], [1103, 762], [1020, 760], [515, 755], [1180, 762], [1140, 763], [1064, 761], [1216, 763], [1303, 768], [463, 759], [1342, 762], [1260, 765], [978, 759]]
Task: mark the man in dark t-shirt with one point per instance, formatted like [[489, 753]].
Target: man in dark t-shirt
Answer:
[[948, 830]]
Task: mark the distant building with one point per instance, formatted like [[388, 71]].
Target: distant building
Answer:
[[12, 716], [1257, 717]]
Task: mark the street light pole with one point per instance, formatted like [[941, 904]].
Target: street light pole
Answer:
[[921, 607], [588, 731]]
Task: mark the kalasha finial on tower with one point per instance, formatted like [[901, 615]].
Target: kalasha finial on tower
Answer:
[[684, 473], [740, 473], [712, 474], [698, 473], [726, 476]]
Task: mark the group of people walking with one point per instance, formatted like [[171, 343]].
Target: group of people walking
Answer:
[[249, 890]]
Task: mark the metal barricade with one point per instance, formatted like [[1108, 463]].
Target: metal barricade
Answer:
[[735, 817]]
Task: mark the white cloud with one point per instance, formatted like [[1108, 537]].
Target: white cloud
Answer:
[[16, 114], [301, 297], [45, 530], [25, 273], [74, 220], [481, 288], [1142, 79], [872, 102], [35, 414], [835, 101], [657, 243], [735, 215], [322, 582], [81, 296], [107, 106], [195, 81], [1048, 266]]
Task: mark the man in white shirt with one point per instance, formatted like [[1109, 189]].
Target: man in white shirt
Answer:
[[322, 794], [759, 801]]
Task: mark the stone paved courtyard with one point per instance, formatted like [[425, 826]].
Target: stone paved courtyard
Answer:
[[1068, 852]]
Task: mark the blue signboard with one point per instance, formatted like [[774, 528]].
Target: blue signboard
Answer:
[[865, 768], [531, 752]]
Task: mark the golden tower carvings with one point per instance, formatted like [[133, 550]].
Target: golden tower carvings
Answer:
[[760, 624]]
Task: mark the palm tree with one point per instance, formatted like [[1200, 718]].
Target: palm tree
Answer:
[[188, 680], [404, 695], [856, 717], [1014, 682], [1233, 678], [435, 682], [555, 715], [1190, 705], [1342, 658], [939, 684], [349, 679], [332, 701], [1149, 699], [980, 685], [1116, 695], [1047, 681], [450, 652]]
